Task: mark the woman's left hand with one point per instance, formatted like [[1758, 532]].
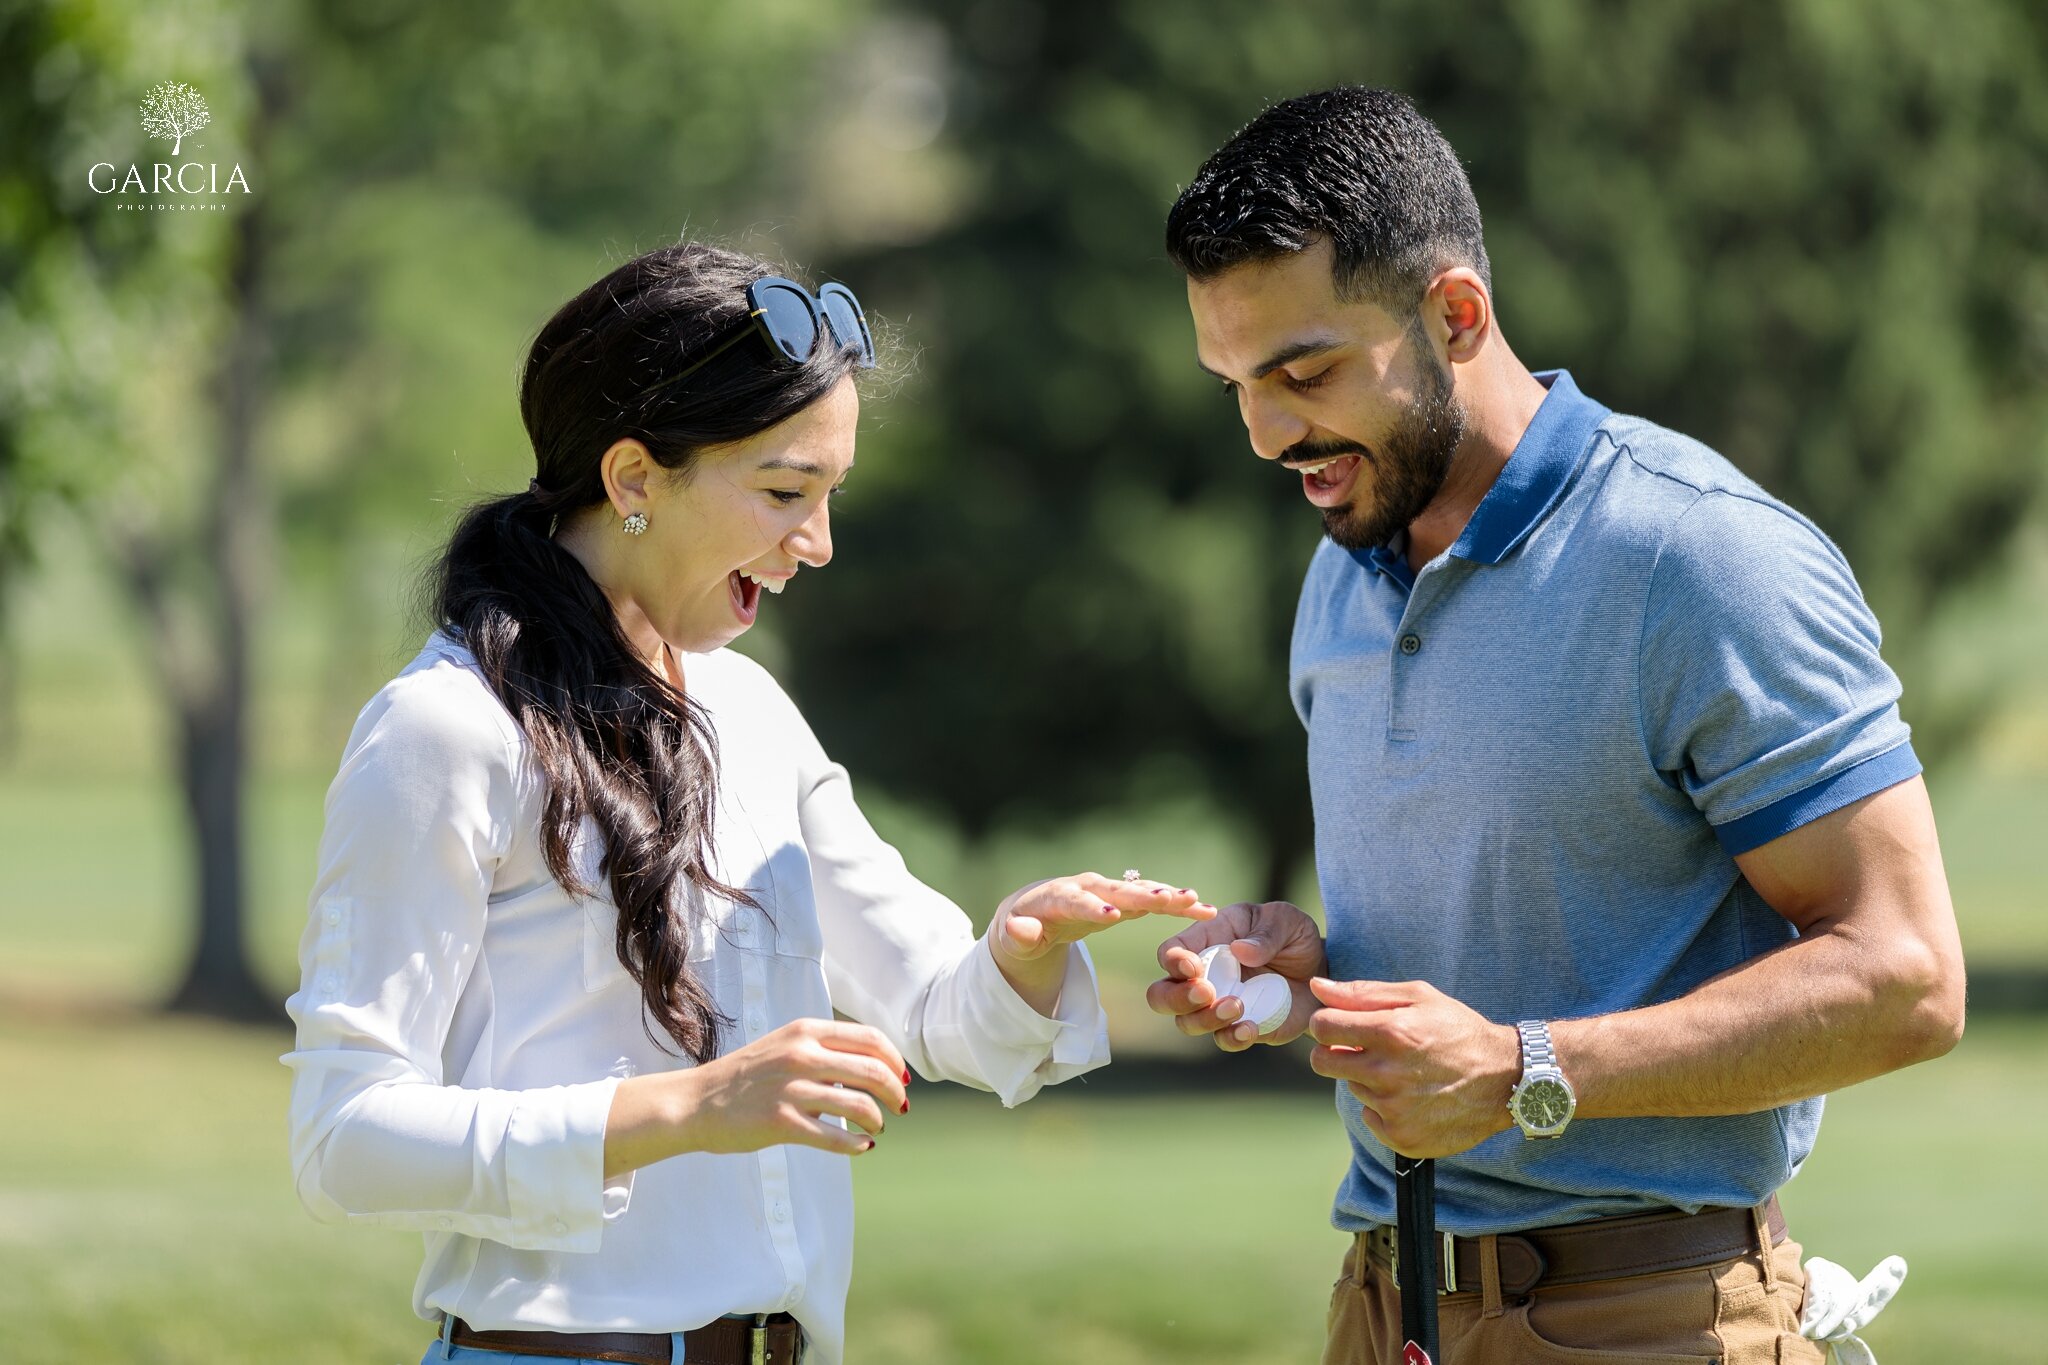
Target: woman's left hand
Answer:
[[1038, 919]]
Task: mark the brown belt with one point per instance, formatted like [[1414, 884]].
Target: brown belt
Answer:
[[768, 1339], [1600, 1249]]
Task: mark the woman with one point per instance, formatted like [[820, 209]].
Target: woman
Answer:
[[576, 816]]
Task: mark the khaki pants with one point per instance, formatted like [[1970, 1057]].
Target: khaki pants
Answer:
[[1739, 1312]]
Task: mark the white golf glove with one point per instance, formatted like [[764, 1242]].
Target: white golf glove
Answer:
[[1838, 1305]]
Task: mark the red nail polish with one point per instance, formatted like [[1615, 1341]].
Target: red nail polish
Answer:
[[905, 1109], [906, 1075], [870, 1147]]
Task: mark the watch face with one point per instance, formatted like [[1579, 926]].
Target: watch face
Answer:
[[1545, 1103]]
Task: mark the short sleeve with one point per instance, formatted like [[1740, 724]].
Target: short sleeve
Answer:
[[1762, 692]]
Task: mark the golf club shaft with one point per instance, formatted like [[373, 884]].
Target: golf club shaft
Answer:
[[1415, 1244]]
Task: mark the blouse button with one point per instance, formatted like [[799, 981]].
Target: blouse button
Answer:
[[334, 914], [780, 1212], [754, 1021], [445, 1222]]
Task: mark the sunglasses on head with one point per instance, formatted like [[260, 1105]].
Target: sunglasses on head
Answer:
[[792, 318]]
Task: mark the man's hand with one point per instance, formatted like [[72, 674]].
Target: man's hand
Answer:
[[1432, 1075], [1273, 936]]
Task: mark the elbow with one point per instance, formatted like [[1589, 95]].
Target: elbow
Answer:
[[313, 1196], [1930, 989]]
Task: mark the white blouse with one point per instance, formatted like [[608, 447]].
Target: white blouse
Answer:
[[462, 1023]]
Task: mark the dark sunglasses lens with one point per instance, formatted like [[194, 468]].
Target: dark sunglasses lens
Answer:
[[848, 328], [790, 321]]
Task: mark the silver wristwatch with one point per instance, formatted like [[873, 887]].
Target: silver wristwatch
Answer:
[[1544, 1101]]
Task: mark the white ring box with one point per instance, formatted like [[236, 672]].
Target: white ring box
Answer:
[[1266, 997]]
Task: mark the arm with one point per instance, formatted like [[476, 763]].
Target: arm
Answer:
[[904, 958], [1010, 1011], [417, 820], [1873, 983]]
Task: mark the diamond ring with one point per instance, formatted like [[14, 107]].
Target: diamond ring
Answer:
[[1131, 874]]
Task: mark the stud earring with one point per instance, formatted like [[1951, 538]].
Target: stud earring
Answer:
[[634, 524]]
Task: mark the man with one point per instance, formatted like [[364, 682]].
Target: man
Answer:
[[1625, 852]]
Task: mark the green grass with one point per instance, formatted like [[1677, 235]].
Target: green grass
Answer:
[[147, 1216], [95, 897]]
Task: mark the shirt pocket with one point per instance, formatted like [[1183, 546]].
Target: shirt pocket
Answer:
[[793, 906]]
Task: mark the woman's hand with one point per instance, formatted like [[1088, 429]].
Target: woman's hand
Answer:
[[1035, 924], [776, 1089], [1036, 919]]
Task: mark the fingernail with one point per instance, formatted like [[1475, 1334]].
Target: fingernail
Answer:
[[906, 1075], [870, 1147], [1187, 891], [905, 1109]]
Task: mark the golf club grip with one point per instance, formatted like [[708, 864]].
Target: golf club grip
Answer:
[[1415, 1244]]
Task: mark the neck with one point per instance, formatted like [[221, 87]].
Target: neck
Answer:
[[1500, 398], [581, 538]]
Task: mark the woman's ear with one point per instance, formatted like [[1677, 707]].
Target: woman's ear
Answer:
[[628, 470]]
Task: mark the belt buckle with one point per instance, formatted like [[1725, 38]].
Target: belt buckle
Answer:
[[1447, 1283]]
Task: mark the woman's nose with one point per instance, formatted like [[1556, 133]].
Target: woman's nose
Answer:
[[812, 542]]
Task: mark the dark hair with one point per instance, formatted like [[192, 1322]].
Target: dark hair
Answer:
[[614, 741], [1355, 165]]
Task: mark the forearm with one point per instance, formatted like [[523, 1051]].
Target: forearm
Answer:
[[1820, 1013], [645, 1124], [1035, 980]]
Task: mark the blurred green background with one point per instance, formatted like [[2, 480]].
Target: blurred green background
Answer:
[[1812, 234]]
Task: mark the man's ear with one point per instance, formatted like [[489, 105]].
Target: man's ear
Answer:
[[1460, 311]]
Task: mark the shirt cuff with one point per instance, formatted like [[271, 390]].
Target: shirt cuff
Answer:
[[1786, 814], [1028, 1050], [554, 1167]]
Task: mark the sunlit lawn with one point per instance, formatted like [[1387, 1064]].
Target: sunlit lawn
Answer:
[[147, 1216]]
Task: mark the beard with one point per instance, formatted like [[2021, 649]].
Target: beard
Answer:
[[1409, 468]]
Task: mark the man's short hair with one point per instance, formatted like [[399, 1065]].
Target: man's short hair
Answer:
[[1355, 165]]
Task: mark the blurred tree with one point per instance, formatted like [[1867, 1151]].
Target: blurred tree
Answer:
[[205, 360], [1810, 234]]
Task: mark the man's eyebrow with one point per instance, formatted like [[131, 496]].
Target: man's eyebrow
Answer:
[[1300, 350]]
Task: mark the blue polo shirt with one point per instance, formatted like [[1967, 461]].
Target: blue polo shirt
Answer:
[[1533, 762]]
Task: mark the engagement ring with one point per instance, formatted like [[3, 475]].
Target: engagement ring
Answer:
[[1131, 874]]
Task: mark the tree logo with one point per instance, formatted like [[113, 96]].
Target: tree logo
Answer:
[[173, 109]]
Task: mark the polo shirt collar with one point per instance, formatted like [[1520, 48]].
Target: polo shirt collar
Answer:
[[1537, 472]]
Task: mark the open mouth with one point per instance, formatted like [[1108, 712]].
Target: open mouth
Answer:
[[1328, 482], [746, 596]]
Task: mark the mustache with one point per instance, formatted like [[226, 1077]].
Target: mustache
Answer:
[[1303, 451]]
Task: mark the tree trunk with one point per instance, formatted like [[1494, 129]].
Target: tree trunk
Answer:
[[213, 706], [1286, 842]]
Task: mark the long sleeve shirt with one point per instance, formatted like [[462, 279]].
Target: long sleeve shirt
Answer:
[[463, 1022]]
